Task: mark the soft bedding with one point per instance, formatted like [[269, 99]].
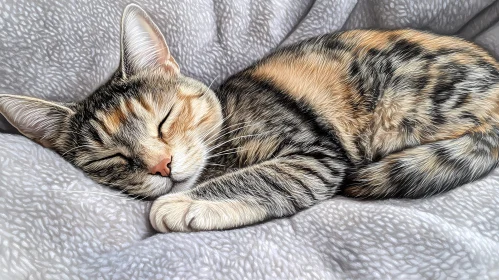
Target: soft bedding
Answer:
[[57, 224]]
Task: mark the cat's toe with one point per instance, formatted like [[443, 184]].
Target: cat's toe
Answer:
[[168, 213], [222, 214], [180, 212], [206, 215]]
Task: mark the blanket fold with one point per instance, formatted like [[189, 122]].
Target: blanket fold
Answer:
[[57, 224]]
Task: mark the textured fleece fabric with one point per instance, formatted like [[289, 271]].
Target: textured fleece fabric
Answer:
[[57, 224]]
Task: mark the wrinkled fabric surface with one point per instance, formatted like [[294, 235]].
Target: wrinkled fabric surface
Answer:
[[57, 224]]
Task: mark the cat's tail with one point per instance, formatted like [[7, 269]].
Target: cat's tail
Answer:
[[427, 169]]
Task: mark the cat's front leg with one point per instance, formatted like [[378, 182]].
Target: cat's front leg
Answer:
[[273, 189], [185, 212]]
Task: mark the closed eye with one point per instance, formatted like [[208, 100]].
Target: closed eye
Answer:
[[117, 155], [160, 134]]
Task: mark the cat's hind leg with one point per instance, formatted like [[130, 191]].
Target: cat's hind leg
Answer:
[[428, 169]]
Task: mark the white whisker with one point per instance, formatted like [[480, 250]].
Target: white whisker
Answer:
[[77, 147], [236, 138], [228, 150], [222, 154], [216, 164], [222, 130], [224, 134]]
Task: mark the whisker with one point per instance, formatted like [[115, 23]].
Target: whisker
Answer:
[[208, 140], [235, 138], [232, 131], [212, 129], [222, 154], [73, 132], [216, 164], [209, 87], [215, 127], [122, 189], [77, 147], [224, 134], [228, 150], [224, 119]]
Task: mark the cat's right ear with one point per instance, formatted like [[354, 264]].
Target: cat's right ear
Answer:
[[143, 47], [37, 119]]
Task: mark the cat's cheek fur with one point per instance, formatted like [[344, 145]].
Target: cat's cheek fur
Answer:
[[181, 212], [189, 159]]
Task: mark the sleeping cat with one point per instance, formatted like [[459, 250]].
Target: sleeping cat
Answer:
[[373, 114]]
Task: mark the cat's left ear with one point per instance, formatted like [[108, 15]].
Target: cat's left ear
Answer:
[[143, 47], [37, 119]]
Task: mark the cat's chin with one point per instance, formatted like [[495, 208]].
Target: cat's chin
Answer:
[[170, 186], [182, 185], [155, 186]]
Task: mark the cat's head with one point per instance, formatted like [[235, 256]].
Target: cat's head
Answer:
[[147, 130]]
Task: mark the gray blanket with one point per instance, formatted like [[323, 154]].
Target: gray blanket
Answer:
[[56, 223]]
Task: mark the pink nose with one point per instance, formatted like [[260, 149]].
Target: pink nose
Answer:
[[163, 167]]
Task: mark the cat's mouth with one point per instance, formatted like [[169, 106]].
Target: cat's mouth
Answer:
[[179, 180]]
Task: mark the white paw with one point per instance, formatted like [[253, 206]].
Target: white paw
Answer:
[[179, 212], [168, 212]]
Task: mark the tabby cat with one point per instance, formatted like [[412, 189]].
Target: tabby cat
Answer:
[[371, 114]]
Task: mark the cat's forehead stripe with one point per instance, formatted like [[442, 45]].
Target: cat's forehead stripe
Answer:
[[111, 118], [143, 102], [96, 122], [115, 118], [130, 106]]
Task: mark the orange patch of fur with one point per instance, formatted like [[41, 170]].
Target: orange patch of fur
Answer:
[[364, 41], [320, 83], [130, 107], [144, 104], [114, 119]]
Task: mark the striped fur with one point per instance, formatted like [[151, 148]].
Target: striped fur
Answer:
[[373, 114]]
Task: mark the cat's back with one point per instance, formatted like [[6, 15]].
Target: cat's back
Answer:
[[362, 80]]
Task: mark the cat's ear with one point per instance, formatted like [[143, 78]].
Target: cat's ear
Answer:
[[35, 118], [143, 47]]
